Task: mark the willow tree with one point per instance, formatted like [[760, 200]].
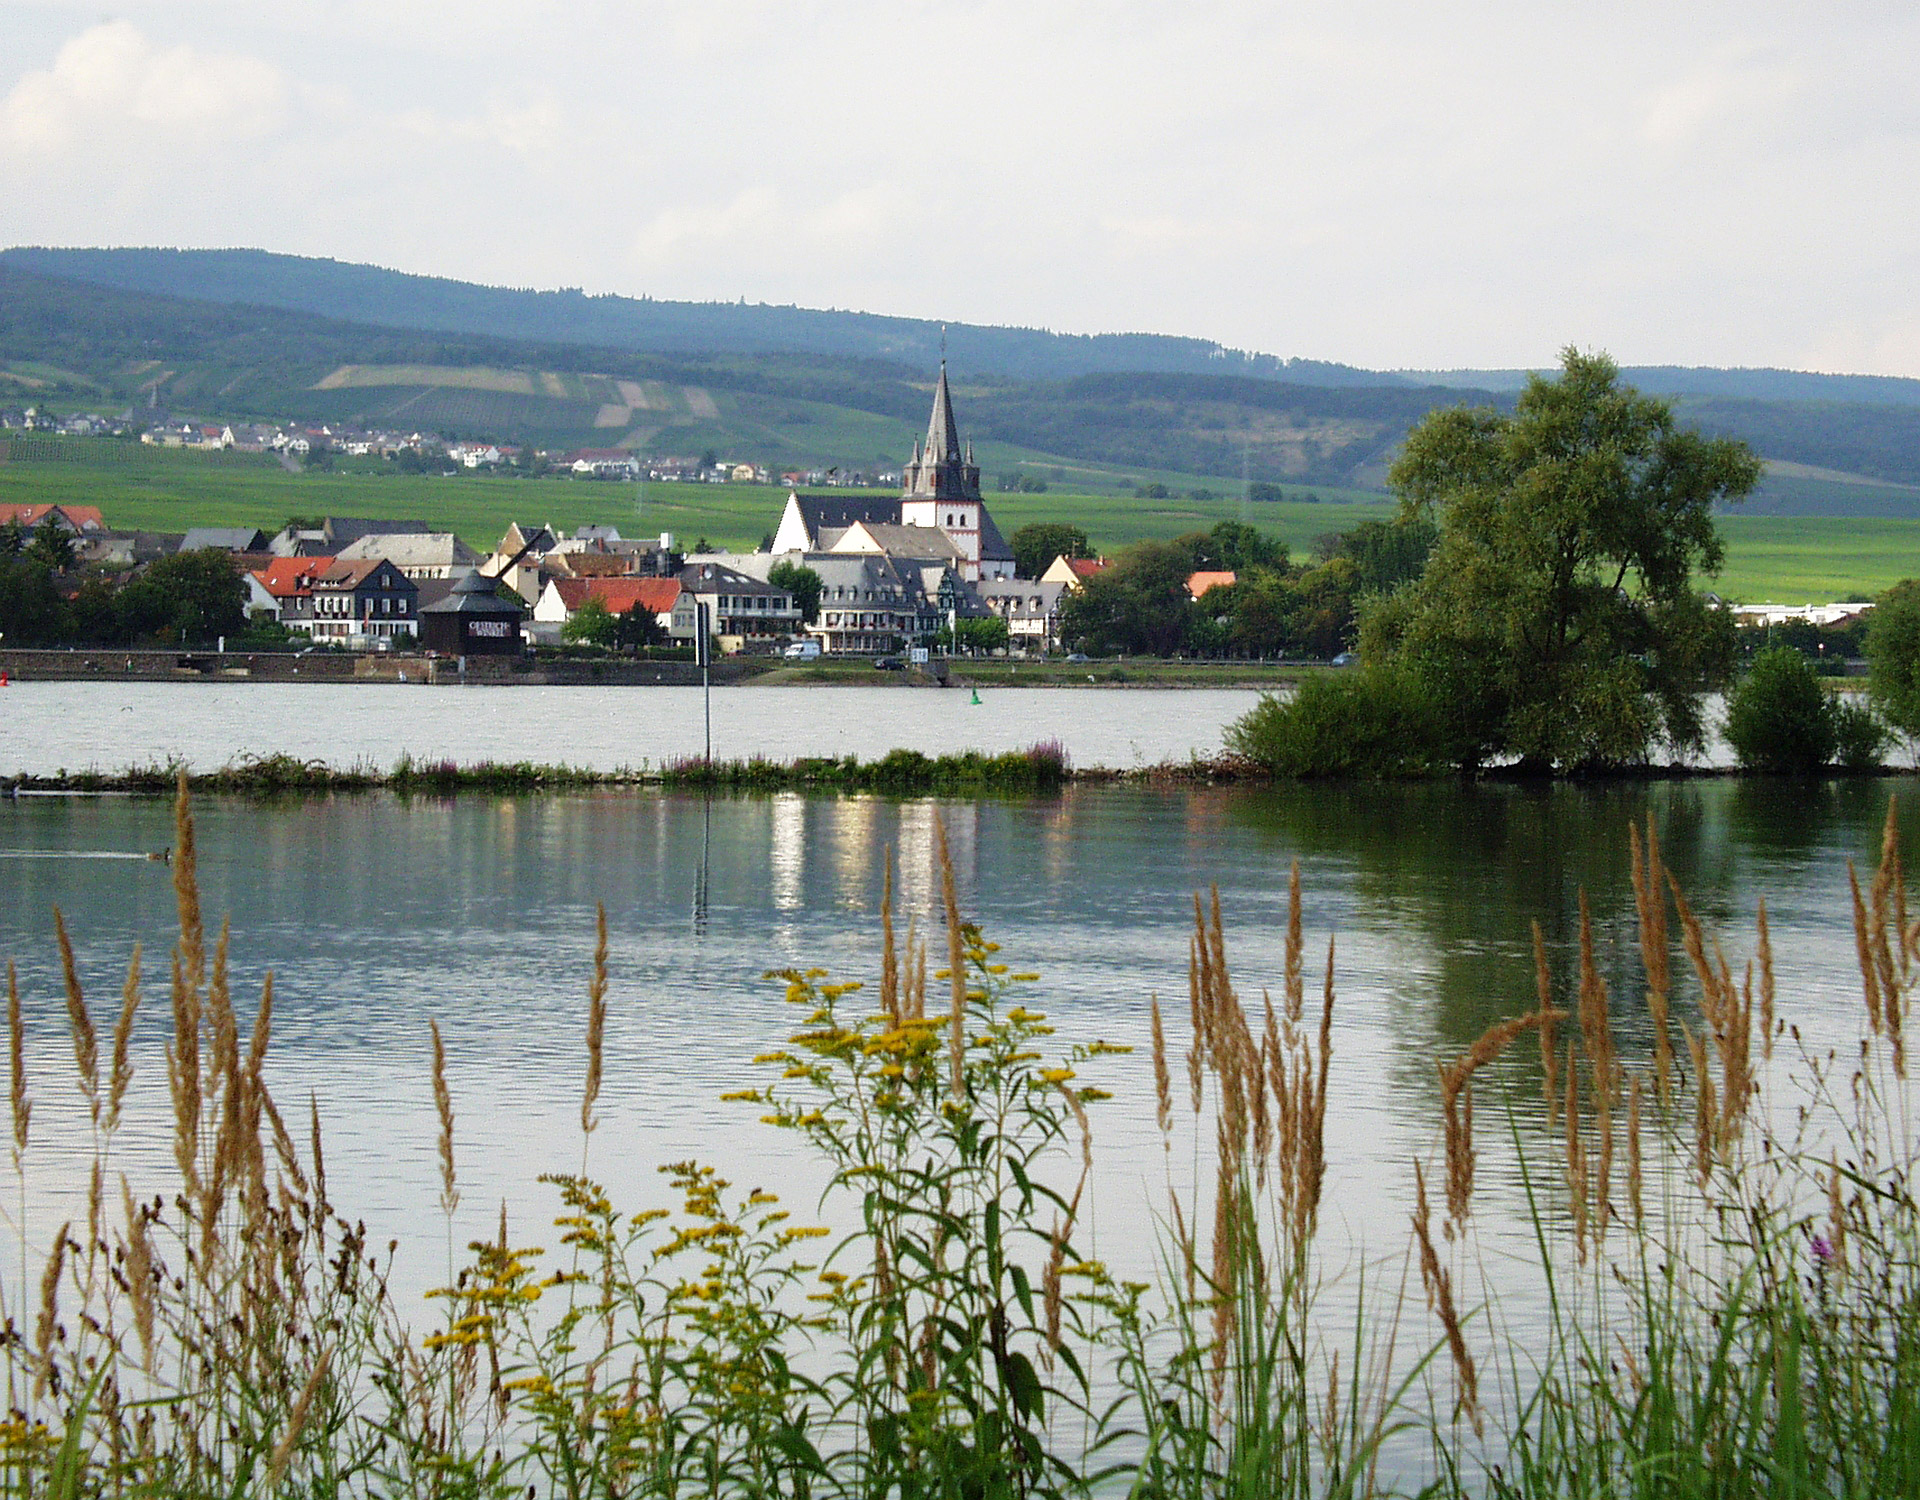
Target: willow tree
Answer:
[[1558, 621]]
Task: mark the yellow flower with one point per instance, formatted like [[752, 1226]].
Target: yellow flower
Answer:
[[1023, 978], [803, 1232], [1108, 1049], [740, 1096], [1055, 1075]]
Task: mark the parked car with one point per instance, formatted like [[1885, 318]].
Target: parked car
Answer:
[[889, 664], [802, 651], [1078, 656]]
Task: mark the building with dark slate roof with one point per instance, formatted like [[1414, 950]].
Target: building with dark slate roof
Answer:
[[474, 619]]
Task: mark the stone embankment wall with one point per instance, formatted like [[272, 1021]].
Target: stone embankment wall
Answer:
[[274, 666]]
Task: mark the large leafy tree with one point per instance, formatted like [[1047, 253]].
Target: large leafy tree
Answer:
[[32, 612], [592, 624], [1557, 620], [1893, 655], [803, 583], [187, 598], [1038, 543], [1139, 605]]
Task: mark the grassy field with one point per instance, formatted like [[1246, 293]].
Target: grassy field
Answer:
[[1792, 559]]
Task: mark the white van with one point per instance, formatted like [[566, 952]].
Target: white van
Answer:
[[802, 651]]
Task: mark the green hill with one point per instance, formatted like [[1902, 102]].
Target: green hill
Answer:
[[370, 294], [70, 342]]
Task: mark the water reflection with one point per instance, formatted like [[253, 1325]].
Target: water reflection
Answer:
[[378, 913]]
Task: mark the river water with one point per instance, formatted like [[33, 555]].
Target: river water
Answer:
[[45, 726], [378, 914]]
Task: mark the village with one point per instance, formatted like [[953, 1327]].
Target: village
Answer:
[[426, 452], [898, 577], [844, 575]]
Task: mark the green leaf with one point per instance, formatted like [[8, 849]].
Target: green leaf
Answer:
[[1029, 1398]]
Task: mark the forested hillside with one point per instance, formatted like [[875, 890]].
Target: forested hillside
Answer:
[[370, 294], [72, 344]]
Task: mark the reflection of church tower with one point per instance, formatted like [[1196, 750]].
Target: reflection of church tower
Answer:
[[940, 486]]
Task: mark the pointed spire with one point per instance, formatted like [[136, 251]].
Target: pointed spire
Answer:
[[943, 435]]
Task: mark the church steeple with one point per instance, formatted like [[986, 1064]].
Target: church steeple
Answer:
[[943, 469], [943, 434]]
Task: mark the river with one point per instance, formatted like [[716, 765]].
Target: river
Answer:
[[378, 914], [47, 726]]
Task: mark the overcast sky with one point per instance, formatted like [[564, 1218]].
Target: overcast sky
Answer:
[[1383, 182]]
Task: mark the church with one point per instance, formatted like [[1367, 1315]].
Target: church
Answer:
[[939, 492]]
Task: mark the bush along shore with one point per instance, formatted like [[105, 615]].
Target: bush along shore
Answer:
[[1040, 768], [1730, 1248]]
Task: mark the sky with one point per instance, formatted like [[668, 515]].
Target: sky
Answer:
[[1381, 182]]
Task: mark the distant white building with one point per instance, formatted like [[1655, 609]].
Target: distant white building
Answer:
[[1822, 615]]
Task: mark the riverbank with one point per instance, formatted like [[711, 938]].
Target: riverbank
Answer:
[[1038, 769], [101, 665]]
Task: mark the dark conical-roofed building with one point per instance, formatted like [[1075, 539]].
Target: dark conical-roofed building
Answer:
[[940, 487], [942, 470]]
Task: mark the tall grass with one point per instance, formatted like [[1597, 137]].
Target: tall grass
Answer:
[[1733, 1282]]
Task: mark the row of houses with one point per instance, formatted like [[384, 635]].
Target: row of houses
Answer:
[[75, 424]]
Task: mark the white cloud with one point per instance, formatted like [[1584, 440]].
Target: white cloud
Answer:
[[1383, 181], [1747, 95], [112, 84]]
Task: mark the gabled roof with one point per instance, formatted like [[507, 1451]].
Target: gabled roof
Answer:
[[837, 512], [705, 577], [350, 573], [413, 549], [917, 542], [78, 517], [291, 577], [1207, 579], [521, 535], [343, 530], [654, 595], [226, 538], [592, 564]]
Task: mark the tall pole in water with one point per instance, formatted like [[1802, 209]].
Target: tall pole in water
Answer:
[[703, 649]]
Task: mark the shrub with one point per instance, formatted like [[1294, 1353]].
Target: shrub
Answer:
[[1371, 723], [1860, 735], [1778, 718]]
